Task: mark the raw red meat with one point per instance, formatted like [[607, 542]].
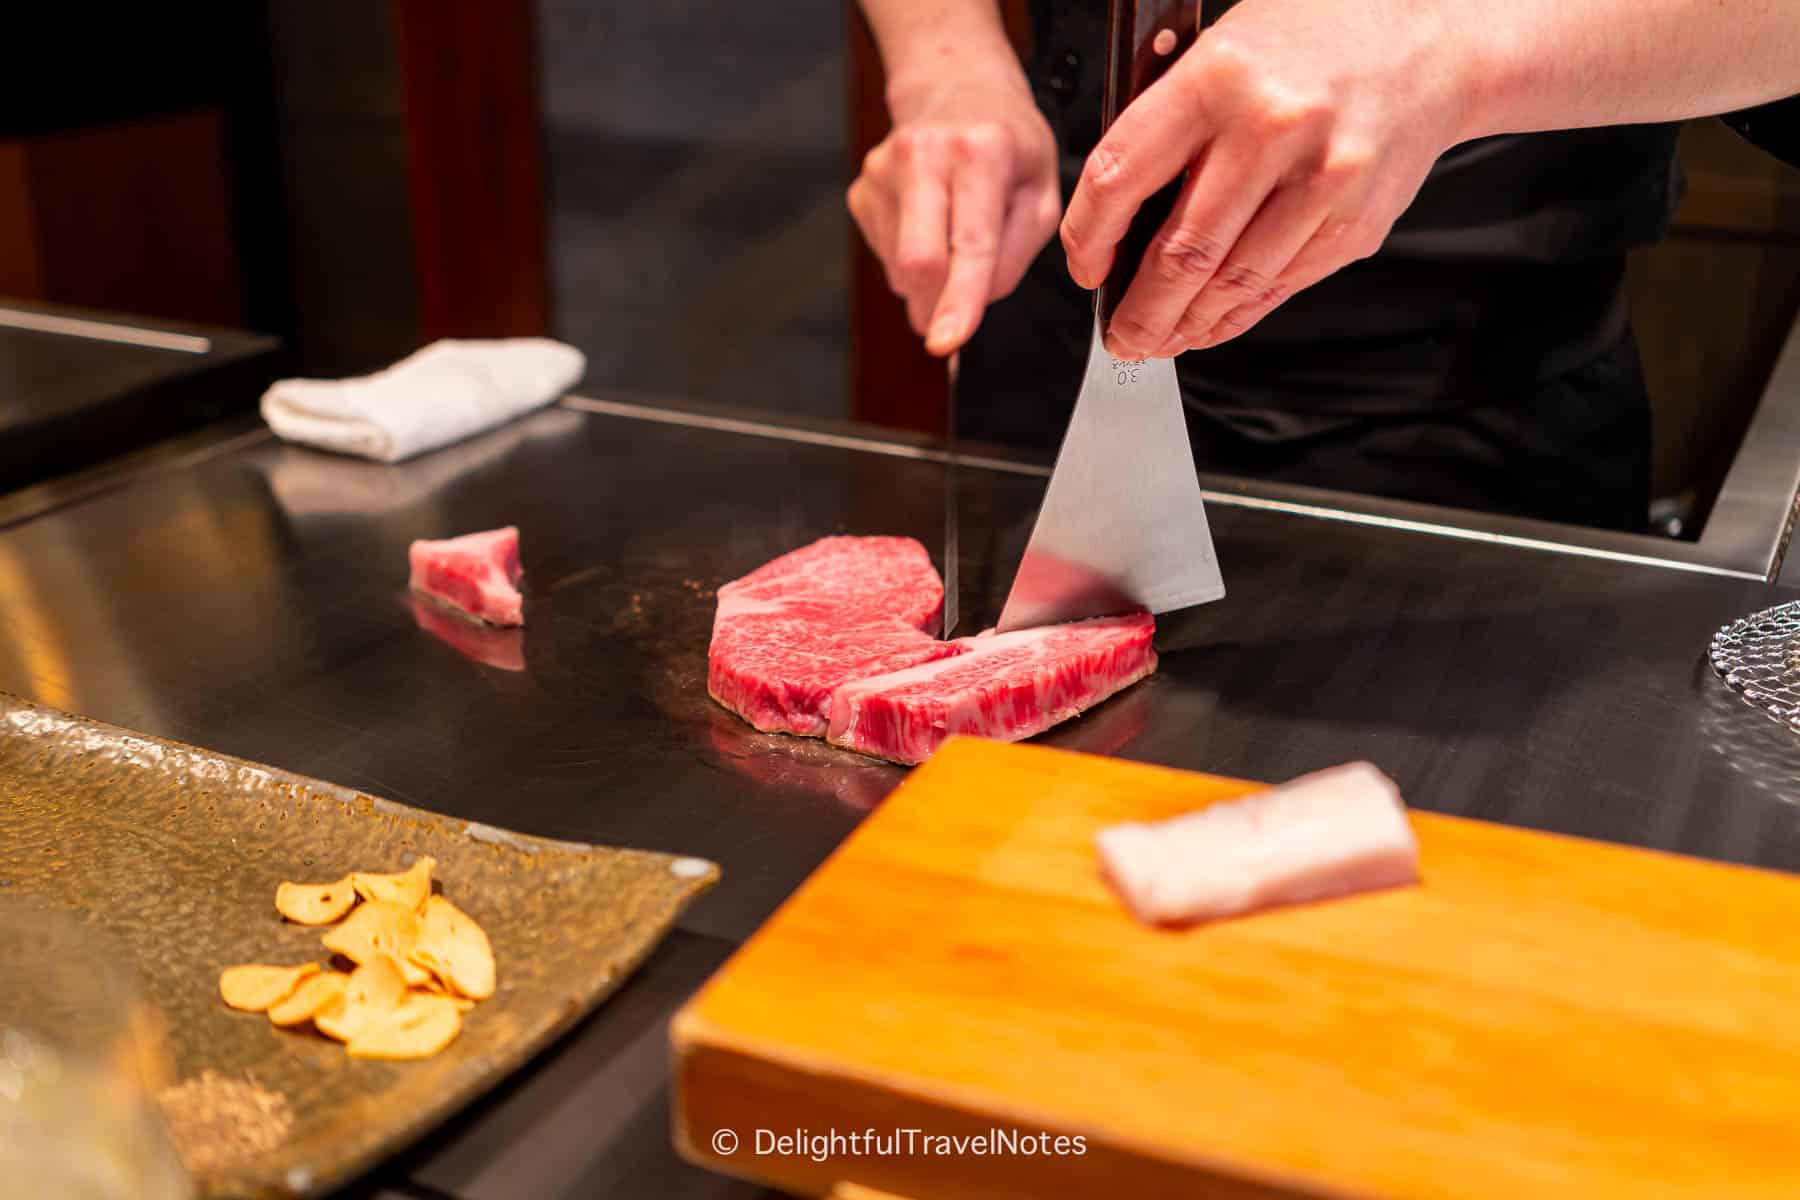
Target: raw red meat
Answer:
[[834, 639], [778, 671], [1005, 686], [856, 579], [789, 633], [476, 573]]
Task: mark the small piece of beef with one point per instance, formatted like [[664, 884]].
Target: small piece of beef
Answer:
[[476, 574], [1005, 687]]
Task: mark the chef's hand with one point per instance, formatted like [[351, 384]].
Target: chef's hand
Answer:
[[1305, 128], [960, 197]]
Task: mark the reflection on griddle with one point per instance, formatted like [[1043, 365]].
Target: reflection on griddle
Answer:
[[1108, 729], [486, 644], [308, 482], [782, 761]]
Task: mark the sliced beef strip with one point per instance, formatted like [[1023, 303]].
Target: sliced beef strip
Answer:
[[779, 672], [1006, 687]]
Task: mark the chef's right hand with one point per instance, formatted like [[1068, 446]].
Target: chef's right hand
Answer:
[[959, 198]]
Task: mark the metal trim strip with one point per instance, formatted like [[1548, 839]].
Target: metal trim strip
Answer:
[[104, 331], [755, 428]]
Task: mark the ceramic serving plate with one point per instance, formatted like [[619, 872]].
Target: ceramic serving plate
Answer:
[[175, 852]]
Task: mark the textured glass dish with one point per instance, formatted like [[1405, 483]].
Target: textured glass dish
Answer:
[[82, 1058], [1758, 657]]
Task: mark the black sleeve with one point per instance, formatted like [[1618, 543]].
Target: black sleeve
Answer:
[[1774, 127]]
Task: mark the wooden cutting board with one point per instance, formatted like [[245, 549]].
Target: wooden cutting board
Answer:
[[1542, 1016]]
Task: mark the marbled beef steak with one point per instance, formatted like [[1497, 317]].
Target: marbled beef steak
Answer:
[[835, 639]]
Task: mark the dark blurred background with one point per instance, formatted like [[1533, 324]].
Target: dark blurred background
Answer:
[[696, 153], [659, 184]]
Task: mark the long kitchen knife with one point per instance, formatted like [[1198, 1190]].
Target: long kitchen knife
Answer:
[[952, 528], [1123, 525]]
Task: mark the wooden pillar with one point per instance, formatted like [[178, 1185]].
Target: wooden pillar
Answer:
[[475, 167], [21, 259]]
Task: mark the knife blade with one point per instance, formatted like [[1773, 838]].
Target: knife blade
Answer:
[[1123, 525], [952, 527]]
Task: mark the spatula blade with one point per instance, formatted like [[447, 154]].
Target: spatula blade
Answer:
[[1123, 525]]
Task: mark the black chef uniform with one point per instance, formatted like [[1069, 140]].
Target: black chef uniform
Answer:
[[1481, 359]]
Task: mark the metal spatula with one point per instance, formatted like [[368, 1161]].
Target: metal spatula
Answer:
[[1123, 526]]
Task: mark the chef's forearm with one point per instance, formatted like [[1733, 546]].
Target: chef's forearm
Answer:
[[920, 40], [1556, 64]]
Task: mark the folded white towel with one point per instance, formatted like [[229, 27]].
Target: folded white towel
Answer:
[[438, 395]]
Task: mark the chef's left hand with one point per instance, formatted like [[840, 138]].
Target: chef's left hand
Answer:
[[1305, 128]]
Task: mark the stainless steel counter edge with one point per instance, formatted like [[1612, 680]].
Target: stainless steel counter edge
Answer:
[[1742, 556], [104, 331], [129, 329]]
